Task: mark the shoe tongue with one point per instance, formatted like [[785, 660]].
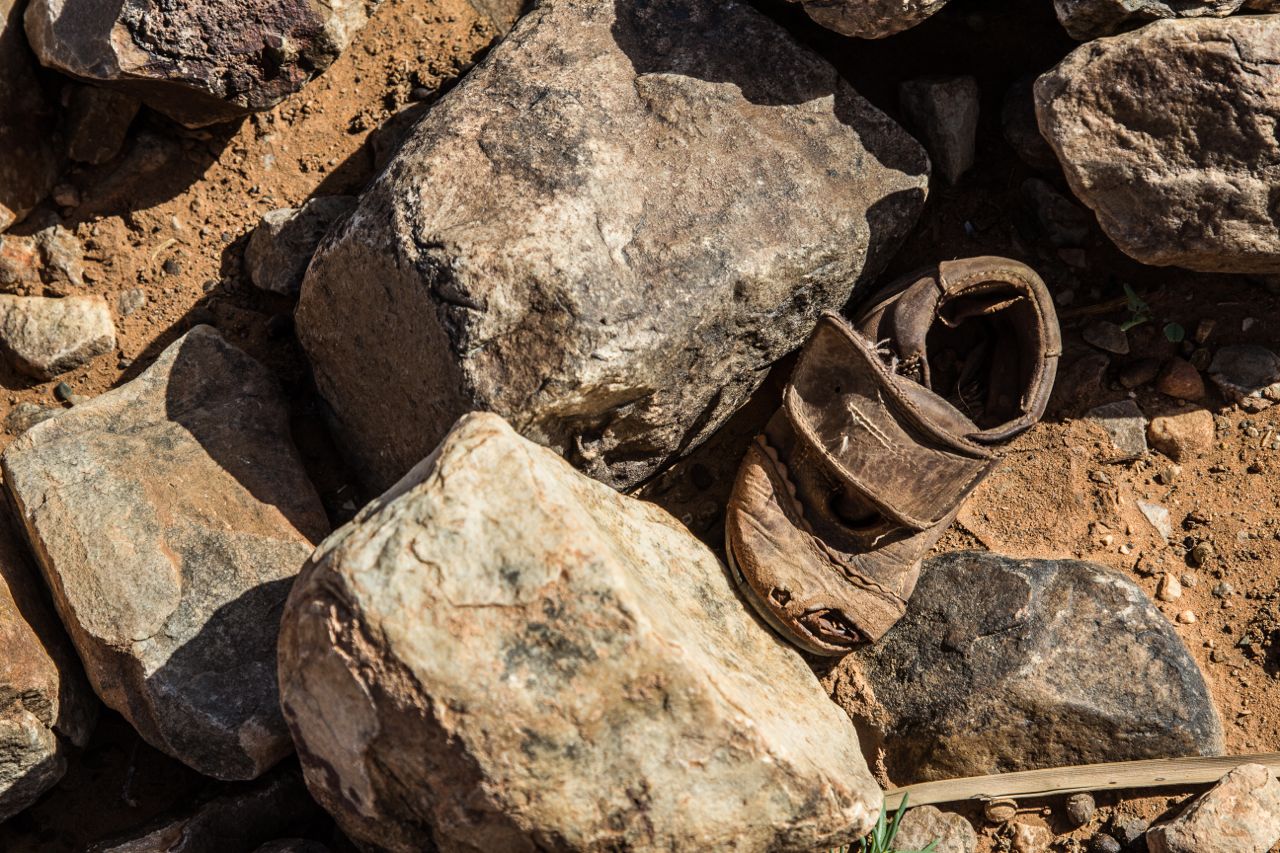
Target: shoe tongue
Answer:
[[890, 440], [901, 329]]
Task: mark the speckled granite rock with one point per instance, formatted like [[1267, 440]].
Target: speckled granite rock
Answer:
[[503, 654], [169, 517], [1003, 664], [1241, 814], [605, 233], [45, 338], [1168, 134]]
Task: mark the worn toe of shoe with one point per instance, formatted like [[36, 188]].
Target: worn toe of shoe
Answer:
[[816, 598]]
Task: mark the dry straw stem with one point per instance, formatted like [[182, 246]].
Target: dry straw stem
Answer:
[[1155, 773]]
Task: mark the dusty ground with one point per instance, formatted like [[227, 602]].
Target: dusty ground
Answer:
[[172, 215]]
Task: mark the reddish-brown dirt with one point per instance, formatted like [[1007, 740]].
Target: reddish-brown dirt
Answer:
[[171, 217]]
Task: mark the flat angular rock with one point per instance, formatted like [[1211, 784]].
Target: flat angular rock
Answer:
[[1127, 426], [44, 337], [46, 706], [1003, 664], [198, 62], [1241, 814], [871, 19], [605, 233], [503, 654], [1090, 19], [28, 154], [283, 243], [1247, 374], [51, 261], [1174, 176], [945, 111], [169, 517]]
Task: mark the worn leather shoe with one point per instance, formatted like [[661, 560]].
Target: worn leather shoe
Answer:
[[886, 426]]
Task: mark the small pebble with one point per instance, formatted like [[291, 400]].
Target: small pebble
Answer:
[[1201, 554], [1107, 336], [63, 391], [1223, 590], [1204, 329], [1169, 474], [1129, 830], [1139, 373], [1187, 617], [1170, 589], [1103, 843], [130, 301], [1178, 379], [1030, 838], [171, 267], [1189, 580], [1080, 808], [1100, 477]]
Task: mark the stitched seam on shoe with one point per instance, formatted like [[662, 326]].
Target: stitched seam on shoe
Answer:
[[850, 573]]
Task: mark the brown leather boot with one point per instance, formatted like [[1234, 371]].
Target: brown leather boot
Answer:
[[886, 427]]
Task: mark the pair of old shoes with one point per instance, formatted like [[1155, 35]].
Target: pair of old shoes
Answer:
[[886, 427]]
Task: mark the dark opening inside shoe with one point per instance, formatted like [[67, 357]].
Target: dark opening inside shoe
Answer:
[[887, 425]]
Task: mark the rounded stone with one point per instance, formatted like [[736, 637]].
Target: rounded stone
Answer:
[[1003, 664], [1080, 808]]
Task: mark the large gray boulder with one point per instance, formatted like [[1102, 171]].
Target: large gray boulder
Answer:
[[1168, 133], [28, 153], [1003, 664], [870, 19], [199, 61], [46, 706], [1090, 19], [169, 517], [604, 234], [503, 654]]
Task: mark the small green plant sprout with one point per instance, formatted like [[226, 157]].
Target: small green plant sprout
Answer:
[[1174, 333], [1139, 310], [881, 838]]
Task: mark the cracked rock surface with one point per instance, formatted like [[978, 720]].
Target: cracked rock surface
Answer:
[[605, 234], [169, 517], [1003, 664], [200, 61], [1168, 133], [503, 654]]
